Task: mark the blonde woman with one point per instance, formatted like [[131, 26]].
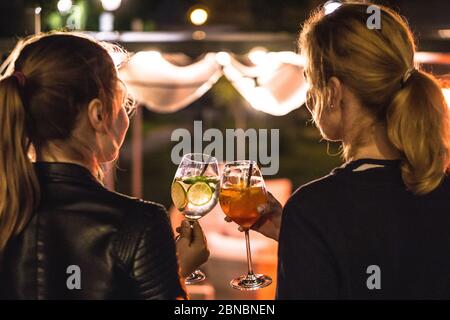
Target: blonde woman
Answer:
[[377, 227], [62, 234]]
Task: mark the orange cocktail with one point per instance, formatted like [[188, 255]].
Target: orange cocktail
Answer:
[[241, 204], [242, 192]]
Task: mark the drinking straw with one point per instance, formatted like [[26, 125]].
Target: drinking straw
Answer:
[[206, 166], [249, 176]]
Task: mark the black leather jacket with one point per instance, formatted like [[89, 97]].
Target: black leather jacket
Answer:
[[86, 242]]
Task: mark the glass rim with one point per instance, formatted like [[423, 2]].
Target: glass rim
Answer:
[[203, 155], [237, 163]]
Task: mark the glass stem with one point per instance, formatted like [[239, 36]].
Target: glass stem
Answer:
[[191, 223], [249, 254]]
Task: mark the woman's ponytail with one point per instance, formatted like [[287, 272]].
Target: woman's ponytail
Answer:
[[40, 107], [418, 126], [376, 65], [19, 188]]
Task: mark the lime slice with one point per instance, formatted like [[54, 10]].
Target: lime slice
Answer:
[[199, 194], [192, 180], [212, 180], [178, 195], [195, 179]]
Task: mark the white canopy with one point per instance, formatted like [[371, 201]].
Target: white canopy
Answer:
[[273, 84]]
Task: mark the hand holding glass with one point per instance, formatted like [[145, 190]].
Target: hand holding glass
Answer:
[[195, 190], [241, 193]]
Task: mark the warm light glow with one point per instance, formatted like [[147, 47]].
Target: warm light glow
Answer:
[[106, 22], [198, 35], [444, 33], [261, 99], [37, 10], [198, 16], [143, 58], [64, 5], [119, 58], [446, 93], [223, 58], [257, 55], [169, 87], [266, 94], [432, 57], [331, 6], [291, 57], [111, 5]]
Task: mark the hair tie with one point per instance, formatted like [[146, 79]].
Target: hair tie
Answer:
[[20, 78], [407, 75]]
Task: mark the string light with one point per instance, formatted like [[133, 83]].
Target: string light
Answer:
[[64, 5], [198, 16], [111, 5], [331, 6]]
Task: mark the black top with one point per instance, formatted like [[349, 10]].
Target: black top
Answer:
[[86, 242], [362, 235]]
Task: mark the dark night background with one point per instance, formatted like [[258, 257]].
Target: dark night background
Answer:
[[243, 15]]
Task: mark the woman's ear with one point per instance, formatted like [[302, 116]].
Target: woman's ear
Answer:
[[336, 91], [96, 115]]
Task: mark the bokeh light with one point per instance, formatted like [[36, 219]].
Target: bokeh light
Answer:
[[111, 5], [198, 16], [64, 5]]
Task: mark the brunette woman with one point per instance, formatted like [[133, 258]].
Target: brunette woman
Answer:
[[63, 235]]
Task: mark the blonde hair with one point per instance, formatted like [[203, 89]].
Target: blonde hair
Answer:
[[48, 81], [373, 63]]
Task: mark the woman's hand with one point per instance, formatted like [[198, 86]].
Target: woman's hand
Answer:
[[192, 248], [270, 221]]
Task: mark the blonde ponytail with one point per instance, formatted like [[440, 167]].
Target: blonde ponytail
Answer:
[[19, 188], [377, 66], [418, 126]]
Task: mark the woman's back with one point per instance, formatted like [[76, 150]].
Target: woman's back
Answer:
[[372, 228], [362, 235], [85, 242]]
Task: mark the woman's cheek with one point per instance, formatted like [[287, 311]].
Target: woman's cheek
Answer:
[[126, 121], [119, 130], [123, 124]]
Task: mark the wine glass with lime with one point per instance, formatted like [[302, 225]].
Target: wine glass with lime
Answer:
[[195, 191]]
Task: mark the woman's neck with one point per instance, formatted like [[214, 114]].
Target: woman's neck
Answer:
[[53, 153], [376, 145]]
